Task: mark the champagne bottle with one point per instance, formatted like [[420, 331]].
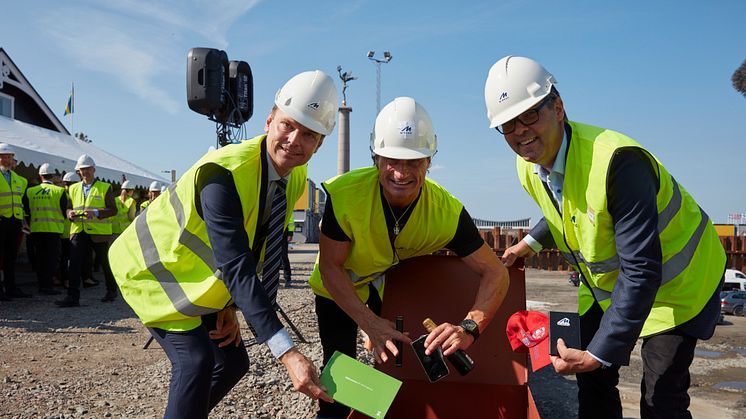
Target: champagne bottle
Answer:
[[459, 359]]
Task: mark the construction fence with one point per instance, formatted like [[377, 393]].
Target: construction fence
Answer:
[[551, 259]]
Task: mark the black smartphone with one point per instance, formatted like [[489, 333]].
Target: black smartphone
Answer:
[[565, 325], [434, 365]]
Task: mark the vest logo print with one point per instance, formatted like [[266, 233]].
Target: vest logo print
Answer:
[[313, 105], [503, 97], [564, 322]]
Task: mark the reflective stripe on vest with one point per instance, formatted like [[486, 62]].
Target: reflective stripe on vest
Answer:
[[693, 259], [96, 199], [359, 210], [11, 196], [44, 207], [165, 266]]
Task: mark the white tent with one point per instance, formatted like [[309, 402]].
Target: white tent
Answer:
[[34, 146]]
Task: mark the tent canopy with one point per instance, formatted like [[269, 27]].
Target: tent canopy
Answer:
[[34, 146]]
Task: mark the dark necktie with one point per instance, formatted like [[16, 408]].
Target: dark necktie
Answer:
[[273, 252]]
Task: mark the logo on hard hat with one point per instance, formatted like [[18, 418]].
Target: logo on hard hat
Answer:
[[406, 128], [313, 105], [503, 97]]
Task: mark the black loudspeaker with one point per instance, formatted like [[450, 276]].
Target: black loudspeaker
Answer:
[[241, 91], [206, 71]]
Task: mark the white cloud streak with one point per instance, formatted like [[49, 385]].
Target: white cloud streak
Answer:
[[135, 42]]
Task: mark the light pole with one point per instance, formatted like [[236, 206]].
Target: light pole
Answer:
[[386, 58], [173, 174]]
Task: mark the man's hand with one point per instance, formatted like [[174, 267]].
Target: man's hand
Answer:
[[448, 336], [520, 250], [226, 328], [304, 375], [573, 361], [382, 335]]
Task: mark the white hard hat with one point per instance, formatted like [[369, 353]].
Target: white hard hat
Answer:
[[84, 161], [6, 149], [127, 185], [404, 131], [155, 186], [46, 169], [311, 99], [70, 177], [514, 85], [163, 188]]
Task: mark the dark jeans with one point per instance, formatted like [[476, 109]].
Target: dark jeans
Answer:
[[338, 332], [65, 260], [81, 246], [666, 359], [47, 246], [10, 229], [201, 372]]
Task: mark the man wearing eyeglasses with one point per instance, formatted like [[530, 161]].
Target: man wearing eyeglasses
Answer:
[[651, 261]]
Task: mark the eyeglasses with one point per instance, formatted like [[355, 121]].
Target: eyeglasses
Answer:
[[527, 118]]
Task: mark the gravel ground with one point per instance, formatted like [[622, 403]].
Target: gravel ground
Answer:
[[89, 361]]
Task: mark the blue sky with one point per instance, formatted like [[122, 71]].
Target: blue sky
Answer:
[[656, 71]]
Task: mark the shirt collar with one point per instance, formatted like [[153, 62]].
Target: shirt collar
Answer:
[[272, 175], [559, 161]]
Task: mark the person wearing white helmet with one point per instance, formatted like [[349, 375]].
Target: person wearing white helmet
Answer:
[[377, 216], [650, 258], [64, 277], [46, 206], [12, 190], [126, 208], [210, 246], [92, 204], [154, 191]]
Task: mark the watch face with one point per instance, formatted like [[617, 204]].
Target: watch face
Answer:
[[470, 326]]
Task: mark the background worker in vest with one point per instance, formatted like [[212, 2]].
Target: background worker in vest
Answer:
[[217, 218], [46, 206], [286, 269], [12, 189], [377, 216], [154, 191], [126, 209], [64, 277], [91, 205], [650, 258]]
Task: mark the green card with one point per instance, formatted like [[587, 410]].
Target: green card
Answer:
[[359, 386]]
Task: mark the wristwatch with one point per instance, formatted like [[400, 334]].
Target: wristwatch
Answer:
[[470, 327]]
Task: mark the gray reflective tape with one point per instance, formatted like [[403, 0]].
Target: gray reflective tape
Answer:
[[7, 206], [46, 209], [47, 220], [673, 207], [165, 278], [6, 194], [601, 267], [198, 247], [678, 262], [601, 294], [186, 237]]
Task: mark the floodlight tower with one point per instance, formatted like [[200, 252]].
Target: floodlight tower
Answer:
[[386, 58]]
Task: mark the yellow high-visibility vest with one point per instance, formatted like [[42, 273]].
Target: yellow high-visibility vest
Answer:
[[693, 258]]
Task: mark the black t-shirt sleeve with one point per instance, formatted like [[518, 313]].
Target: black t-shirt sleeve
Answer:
[[329, 225], [467, 239]]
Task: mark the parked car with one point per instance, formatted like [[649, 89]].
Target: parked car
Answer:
[[732, 302], [735, 280]]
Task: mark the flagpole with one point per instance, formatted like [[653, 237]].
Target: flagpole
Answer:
[[72, 109]]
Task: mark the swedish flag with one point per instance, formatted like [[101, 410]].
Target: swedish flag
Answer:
[[70, 108]]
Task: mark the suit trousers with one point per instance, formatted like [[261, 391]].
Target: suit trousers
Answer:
[[201, 372], [81, 247], [664, 388], [338, 332], [10, 229], [47, 246]]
